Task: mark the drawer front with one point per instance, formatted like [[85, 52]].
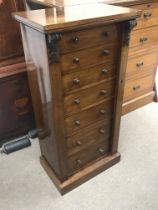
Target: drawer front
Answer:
[[137, 87], [88, 76], [141, 64], [91, 56], [149, 15], [79, 160], [79, 100], [84, 118], [95, 133], [146, 22], [16, 113], [144, 36], [149, 10], [77, 40]]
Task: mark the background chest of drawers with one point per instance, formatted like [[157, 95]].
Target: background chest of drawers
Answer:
[[142, 59], [78, 78], [16, 114]]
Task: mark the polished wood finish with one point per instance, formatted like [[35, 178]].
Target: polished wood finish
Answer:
[[141, 64], [15, 105], [77, 40], [48, 20], [85, 77], [62, 3], [138, 87], [138, 102], [78, 101], [143, 43], [15, 102], [97, 132], [88, 116], [81, 176], [9, 30], [143, 37]]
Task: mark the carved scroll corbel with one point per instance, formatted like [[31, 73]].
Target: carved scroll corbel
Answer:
[[128, 26], [53, 47]]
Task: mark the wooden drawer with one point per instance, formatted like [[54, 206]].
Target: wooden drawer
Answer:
[[16, 111], [144, 36], [88, 76], [76, 40], [141, 64], [86, 117], [91, 56], [79, 160], [138, 87], [95, 133], [78, 101], [149, 15]]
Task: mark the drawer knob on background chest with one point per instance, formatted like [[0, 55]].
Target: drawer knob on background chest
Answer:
[[106, 52], [79, 143], [143, 39], [77, 101], [76, 60], [139, 64], [76, 39], [79, 162], [104, 71], [136, 87], [77, 122], [147, 14], [101, 150], [102, 131], [103, 92], [76, 81], [102, 111], [107, 33]]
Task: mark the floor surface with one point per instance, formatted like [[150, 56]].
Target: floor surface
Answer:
[[132, 184]]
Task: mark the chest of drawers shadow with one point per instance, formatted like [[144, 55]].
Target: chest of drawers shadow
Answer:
[[76, 66]]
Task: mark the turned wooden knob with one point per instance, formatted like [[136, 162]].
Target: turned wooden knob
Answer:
[[76, 81], [79, 162], [76, 39], [106, 52], [102, 131], [107, 33], [77, 101], [76, 60], [103, 92], [102, 111], [77, 122], [101, 150], [104, 71], [79, 143]]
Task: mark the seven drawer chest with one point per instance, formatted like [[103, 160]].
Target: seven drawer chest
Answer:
[[76, 63]]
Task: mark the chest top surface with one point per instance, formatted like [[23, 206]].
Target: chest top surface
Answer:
[[74, 16], [62, 3]]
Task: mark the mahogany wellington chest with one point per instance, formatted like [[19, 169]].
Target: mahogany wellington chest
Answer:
[[76, 60]]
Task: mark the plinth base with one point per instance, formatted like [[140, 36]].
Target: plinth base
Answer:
[[83, 175]]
